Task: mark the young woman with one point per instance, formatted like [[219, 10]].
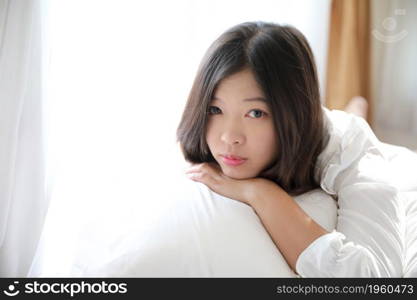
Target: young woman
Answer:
[[255, 131]]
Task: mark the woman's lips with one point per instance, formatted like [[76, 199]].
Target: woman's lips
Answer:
[[232, 161]]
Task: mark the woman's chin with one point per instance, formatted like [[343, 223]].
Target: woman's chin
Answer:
[[236, 174]]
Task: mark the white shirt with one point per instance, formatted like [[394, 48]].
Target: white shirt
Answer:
[[369, 240]]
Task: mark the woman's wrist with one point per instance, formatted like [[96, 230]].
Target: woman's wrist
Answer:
[[260, 189], [250, 192]]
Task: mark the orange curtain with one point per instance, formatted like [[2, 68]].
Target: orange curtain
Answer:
[[348, 65]]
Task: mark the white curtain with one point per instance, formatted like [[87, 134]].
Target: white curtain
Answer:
[[394, 52], [120, 72], [23, 193]]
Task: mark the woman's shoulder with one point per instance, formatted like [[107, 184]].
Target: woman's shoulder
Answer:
[[343, 126], [349, 139]]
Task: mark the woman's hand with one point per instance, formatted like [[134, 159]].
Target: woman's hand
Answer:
[[244, 190]]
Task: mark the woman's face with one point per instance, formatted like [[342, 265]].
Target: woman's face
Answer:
[[241, 125]]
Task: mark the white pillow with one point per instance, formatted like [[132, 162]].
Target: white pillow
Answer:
[[202, 234]]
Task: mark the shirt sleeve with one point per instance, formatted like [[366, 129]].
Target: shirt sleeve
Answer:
[[370, 231], [325, 257]]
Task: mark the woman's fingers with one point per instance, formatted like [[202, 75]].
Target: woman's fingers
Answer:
[[203, 167], [212, 176], [204, 172]]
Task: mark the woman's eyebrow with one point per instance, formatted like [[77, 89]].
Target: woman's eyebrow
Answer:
[[261, 99]]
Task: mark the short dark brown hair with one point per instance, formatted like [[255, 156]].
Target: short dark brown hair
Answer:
[[283, 65]]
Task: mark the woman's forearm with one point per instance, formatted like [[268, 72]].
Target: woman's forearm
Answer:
[[291, 229]]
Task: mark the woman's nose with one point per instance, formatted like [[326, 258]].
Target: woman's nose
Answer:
[[233, 137]]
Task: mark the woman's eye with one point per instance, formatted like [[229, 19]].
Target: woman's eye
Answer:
[[214, 110], [256, 113]]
